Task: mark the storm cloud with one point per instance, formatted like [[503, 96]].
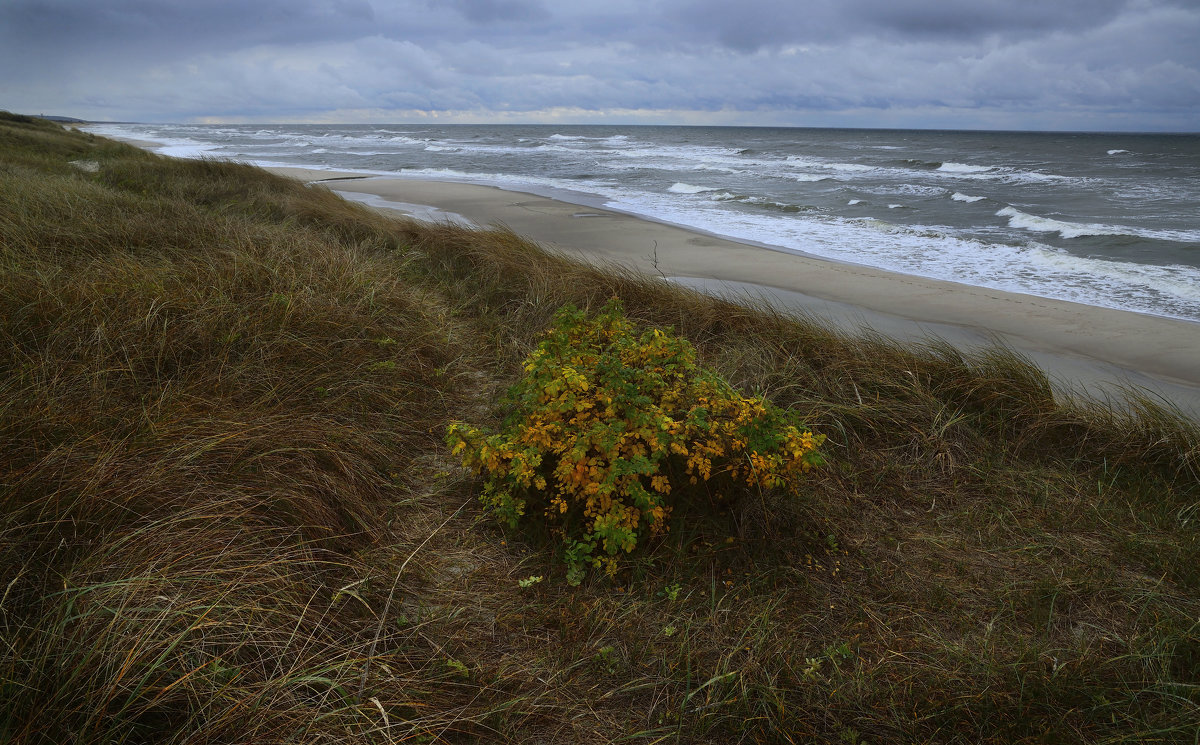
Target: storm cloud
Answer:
[[1001, 64]]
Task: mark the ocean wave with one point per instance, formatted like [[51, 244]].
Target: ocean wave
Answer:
[[581, 138], [767, 204], [1025, 221], [853, 202], [716, 168], [1117, 152], [938, 253], [958, 196], [175, 146], [800, 161], [680, 187], [851, 167], [949, 167], [1037, 177], [1166, 282], [514, 182], [907, 190], [179, 148], [674, 154], [1007, 175]]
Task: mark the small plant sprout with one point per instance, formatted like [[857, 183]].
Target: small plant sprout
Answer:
[[606, 658], [529, 581], [457, 669], [671, 592]]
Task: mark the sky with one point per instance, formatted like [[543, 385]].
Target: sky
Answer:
[[1092, 65]]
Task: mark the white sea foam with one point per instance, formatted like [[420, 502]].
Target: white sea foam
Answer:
[[962, 171], [962, 168], [908, 190], [1117, 152], [581, 138], [958, 196], [769, 204], [853, 202], [182, 148], [801, 161], [894, 206], [716, 168], [1165, 282], [1025, 221], [933, 252], [681, 188], [175, 146]]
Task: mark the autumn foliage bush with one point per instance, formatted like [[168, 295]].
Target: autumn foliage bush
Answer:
[[611, 426]]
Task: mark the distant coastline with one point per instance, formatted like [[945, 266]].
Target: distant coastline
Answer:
[[1105, 220], [1097, 351]]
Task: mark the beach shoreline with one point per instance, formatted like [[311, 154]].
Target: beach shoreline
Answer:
[[1086, 349]]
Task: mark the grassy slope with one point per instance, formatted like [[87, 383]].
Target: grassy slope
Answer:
[[222, 491]]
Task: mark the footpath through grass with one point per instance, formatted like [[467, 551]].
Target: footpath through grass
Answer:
[[227, 513]]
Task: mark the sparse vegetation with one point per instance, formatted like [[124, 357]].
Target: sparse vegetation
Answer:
[[227, 512]]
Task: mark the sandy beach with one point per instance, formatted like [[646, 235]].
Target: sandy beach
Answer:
[[1083, 348]]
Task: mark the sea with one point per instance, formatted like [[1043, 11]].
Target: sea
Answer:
[[1109, 220]]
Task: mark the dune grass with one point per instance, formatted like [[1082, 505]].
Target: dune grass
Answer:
[[226, 513]]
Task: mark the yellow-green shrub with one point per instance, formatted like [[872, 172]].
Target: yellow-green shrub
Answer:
[[611, 426]]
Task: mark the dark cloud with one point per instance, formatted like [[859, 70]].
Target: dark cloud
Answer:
[[1014, 19], [751, 24], [173, 26], [485, 11], [1000, 63]]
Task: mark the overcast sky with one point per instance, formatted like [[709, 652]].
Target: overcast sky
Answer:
[[992, 64]]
